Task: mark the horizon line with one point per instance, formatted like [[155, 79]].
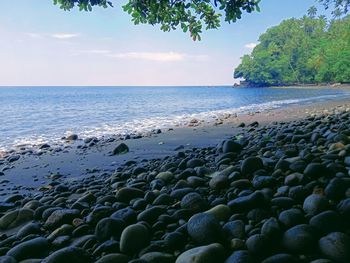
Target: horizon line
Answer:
[[87, 86]]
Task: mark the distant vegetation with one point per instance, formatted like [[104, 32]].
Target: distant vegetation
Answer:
[[300, 51]]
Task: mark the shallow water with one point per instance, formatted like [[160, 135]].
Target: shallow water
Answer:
[[32, 115]]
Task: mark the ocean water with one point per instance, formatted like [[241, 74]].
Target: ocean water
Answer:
[[33, 115]]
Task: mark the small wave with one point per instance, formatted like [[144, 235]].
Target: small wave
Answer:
[[142, 126], [166, 122]]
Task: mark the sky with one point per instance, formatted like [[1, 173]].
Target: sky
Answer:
[[42, 45]]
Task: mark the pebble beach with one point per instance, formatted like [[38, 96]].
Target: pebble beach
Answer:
[[262, 187]]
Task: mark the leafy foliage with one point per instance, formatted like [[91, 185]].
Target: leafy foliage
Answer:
[[306, 50], [190, 15], [340, 7]]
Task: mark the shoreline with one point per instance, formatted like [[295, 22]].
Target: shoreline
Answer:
[[218, 117], [296, 85], [29, 170]]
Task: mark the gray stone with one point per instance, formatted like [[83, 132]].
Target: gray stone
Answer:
[[204, 229], [204, 254], [34, 248], [299, 239], [68, 254], [134, 238], [336, 246]]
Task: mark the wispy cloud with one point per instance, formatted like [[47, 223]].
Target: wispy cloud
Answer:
[[154, 56], [96, 51], [33, 35], [251, 45], [158, 56], [64, 35]]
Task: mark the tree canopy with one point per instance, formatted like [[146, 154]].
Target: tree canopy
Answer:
[[305, 50], [339, 7], [190, 15]]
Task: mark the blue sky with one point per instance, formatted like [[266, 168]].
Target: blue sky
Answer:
[[43, 45]]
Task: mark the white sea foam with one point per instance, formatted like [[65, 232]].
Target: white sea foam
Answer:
[[149, 124]]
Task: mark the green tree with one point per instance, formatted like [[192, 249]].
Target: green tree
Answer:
[[332, 57], [305, 50], [312, 12], [190, 15]]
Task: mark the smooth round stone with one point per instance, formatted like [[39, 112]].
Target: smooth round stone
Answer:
[[127, 214], [282, 202], [175, 240], [34, 204], [151, 215], [280, 258], [315, 170], [293, 179], [335, 189], [327, 222], [231, 146], [68, 254], [165, 176], [163, 199], [158, 257], [258, 214], [260, 182], [204, 229], [134, 238], [61, 231], [195, 181], [291, 217], [234, 229], [299, 239], [109, 227], [344, 208], [28, 229], [315, 204], [195, 163], [112, 258], [259, 245], [60, 217], [126, 194], [204, 254], [61, 241], [298, 193], [298, 166], [219, 182], [240, 256], [194, 202], [251, 164], [34, 248], [221, 212], [7, 259], [271, 228], [16, 218], [336, 246], [248, 202]]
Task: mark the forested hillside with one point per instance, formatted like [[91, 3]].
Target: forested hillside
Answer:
[[300, 51]]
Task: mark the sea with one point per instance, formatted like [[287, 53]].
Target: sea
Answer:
[[36, 115]]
